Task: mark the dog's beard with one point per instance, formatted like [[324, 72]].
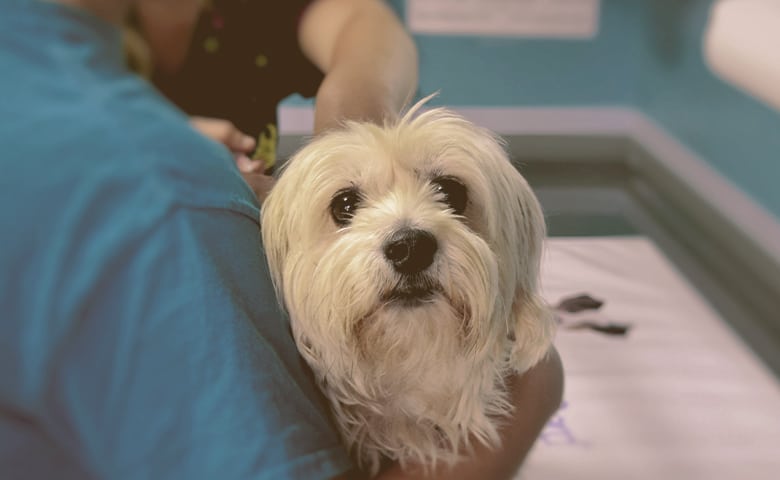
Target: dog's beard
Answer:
[[403, 348]]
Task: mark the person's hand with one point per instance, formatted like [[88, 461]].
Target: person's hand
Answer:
[[241, 146], [224, 132]]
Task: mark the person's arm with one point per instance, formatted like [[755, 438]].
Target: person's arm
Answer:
[[181, 365], [167, 26], [369, 60], [226, 133], [536, 396]]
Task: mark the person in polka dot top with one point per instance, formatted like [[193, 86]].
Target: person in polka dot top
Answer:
[[228, 63]]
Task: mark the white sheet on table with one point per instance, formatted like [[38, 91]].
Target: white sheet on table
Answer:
[[681, 397]]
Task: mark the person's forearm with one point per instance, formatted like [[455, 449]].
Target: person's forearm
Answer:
[[536, 396], [369, 60]]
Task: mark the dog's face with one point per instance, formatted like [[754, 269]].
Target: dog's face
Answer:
[[392, 244]]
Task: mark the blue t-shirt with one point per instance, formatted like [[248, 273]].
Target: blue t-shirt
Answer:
[[139, 333]]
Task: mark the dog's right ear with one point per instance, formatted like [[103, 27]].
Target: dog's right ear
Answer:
[[519, 231]]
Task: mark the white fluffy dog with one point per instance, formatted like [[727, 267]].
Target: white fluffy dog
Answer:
[[407, 257]]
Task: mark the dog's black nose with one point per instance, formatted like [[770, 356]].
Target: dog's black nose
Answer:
[[410, 250]]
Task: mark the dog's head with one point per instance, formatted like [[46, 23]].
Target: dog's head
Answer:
[[420, 232]]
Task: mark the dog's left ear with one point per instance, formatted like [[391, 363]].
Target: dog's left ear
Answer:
[[520, 232], [275, 226]]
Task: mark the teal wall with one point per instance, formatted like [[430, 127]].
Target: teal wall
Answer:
[[508, 71], [736, 134], [505, 71], [648, 55]]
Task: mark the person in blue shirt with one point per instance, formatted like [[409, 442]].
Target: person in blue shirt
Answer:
[[140, 336]]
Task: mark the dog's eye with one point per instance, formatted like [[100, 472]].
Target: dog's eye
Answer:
[[344, 205], [453, 191]]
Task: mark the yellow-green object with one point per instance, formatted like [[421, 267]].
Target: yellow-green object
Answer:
[[211, 44], [266, 146], [261, 60]]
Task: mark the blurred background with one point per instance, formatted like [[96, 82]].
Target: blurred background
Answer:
[[646, 54]]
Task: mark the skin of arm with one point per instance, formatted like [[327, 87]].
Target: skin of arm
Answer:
[[536, 396], [369, 60]]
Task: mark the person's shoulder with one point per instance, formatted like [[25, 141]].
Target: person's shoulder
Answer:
[[149, 137]]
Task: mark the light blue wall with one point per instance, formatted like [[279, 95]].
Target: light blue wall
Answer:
[[647, 55]]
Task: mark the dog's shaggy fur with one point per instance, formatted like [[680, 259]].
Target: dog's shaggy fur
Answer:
[[412, 356]]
